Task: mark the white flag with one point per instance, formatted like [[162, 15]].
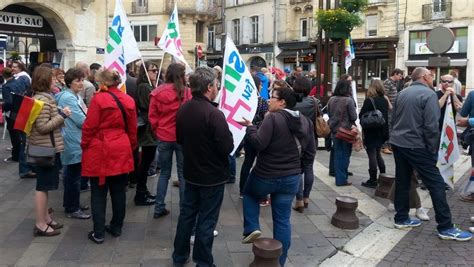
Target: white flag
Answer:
[[121, 47], [170, 40], [238, 96]]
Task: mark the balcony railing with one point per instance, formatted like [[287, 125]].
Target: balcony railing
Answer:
[[201, 7], [377, 2], [438, 11], [138, 9], [297, 35], [294, 2]]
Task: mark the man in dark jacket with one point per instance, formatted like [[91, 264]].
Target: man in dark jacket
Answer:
[[11, 86], [203, 132]]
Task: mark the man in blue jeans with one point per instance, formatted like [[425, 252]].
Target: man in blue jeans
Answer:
[[415, 141], [206, 142]]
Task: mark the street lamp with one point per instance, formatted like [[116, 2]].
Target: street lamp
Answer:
[[27, 48]]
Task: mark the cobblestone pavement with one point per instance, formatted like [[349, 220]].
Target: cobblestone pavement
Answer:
[[148, 242]]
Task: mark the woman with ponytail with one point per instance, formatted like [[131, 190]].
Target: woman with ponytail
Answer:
[[283, 141], [164, 104]]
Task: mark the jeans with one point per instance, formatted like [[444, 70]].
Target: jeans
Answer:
[[282, 191], [148, 154], [203, 203], [306, 184], [342, 156], [23, 167], [166, 150], [232, 167], [424, 162], [116, 185], [155, 164], [72, 187], [331, 160], [375, 159], [250, 155]]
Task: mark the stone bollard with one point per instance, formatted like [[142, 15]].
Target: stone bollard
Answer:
[[267, 252], [345, 217], [384, 184]]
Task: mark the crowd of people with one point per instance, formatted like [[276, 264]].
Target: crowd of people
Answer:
[[111, 141]]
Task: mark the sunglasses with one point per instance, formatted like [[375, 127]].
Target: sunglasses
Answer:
[[443, 81]]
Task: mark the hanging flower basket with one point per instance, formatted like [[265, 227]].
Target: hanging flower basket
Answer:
[[338, 23], [338, 35]]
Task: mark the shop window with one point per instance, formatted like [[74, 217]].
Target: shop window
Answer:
[[236, 31], [371, 25], [418, 42], [199, 31], [211, 38], [254, 30], [144, 33]]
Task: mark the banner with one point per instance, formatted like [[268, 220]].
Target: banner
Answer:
[[448, 148], [238, 94], [170, 40], [121, 46], [349, 52]]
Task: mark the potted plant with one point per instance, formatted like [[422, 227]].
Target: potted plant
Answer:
[[338, 23]]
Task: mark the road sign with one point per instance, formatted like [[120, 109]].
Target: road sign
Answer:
[[440, 40], [439, 61]]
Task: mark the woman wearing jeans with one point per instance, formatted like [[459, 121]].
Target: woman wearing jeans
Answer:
[[164, 104], [342, 113], [282, 142]]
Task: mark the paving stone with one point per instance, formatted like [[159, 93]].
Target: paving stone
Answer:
[[37, 254], [68, 252], [128, 252], [94, 253]]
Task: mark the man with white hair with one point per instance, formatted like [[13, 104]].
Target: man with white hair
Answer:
[[88, 92]]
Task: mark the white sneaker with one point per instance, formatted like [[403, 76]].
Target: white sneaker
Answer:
[[471, 229], [422, 214], [216, 233], [472, 219], [191, 240], [391, 207]]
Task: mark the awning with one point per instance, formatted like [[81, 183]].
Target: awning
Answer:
[[292, 53], [424, 63]]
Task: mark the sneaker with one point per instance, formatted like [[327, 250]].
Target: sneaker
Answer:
[[454, 233], [9, 160], [391, 207], [422, 214], [370, 184], [241, 196], [215, 233], [409, 223], [78, 215], [251, 237], [151, 175], [471, 229], [9, 148], [193, 237], [160, 214], [94, 239]]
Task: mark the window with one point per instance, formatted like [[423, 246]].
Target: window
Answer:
[[439, 5], [236, 2], [304, 29], [418, 42], [141, 2], [254, 30], [144, 33], [371, 25], [236, 31], [211, 38], [200, 31]]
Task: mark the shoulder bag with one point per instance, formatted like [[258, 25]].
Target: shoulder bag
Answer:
[[321, 127], [41, 156], [348, 135], [372, 118]]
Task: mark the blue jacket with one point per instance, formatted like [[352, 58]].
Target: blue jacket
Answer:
[[468, 106], [72, 133], [11, 86], [264, 81]]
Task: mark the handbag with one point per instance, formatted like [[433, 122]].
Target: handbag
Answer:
[[321, 127], [349, 136], [41, 156], [373, 118]]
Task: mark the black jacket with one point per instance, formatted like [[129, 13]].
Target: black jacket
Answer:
[[203, 132], [375, 137]]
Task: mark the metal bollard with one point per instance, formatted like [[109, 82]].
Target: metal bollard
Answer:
[[345, 217], [384, 184], [267, 252]]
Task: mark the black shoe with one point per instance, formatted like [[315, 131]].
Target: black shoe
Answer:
[[332, 174], [350, 174], [30, 175], [94, 239], [161, 214], [149, 195], [114, 233], [370, 184], [144, 201]]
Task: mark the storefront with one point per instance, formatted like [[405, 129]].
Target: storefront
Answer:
[[374, 59], [297, 53], [256, 55]]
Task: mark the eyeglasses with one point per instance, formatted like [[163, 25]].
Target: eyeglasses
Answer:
[[275, 97], [444, 81], [155, 70]]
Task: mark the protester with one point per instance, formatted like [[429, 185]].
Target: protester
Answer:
[[72, 133], [201, 129], [164, 104], [297, 72], [11, 86], [447, 90], [283, 142], [59, 84], [250, 152], [307, 107], [374, 138], [391, 91], [94, 69], [415, 143], [457, 86], [342, 113], [46, 132], [109, 135], [146, 138]]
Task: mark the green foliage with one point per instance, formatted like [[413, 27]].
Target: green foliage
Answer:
[[338, 23], [15, 55], [354, 6]]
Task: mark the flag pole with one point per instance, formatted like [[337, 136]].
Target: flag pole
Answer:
[[159, 70], [146, 71]]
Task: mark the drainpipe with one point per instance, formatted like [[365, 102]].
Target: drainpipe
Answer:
[[275, 2]]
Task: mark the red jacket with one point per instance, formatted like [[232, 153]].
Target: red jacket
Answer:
[[164, 105], [106, 145]]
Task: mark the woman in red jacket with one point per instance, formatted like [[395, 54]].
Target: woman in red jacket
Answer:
[[164, 104], [109, 135]]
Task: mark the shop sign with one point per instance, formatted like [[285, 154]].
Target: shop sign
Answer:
[[305, 59], [21, 19], [422, 48]]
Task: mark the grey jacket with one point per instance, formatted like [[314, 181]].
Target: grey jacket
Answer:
[[415, 118]]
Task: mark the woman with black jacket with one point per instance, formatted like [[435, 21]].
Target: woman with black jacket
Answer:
[[374, 138]]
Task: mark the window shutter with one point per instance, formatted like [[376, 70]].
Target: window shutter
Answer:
[[260, 29], [245, 29], [228, 25]]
